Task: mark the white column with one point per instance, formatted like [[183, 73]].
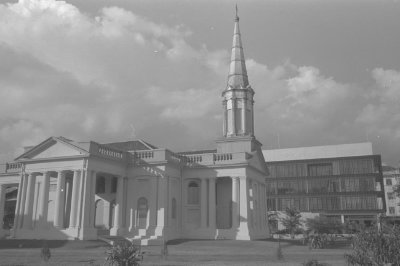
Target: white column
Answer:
[[211, 215], [19, 203], [29, 201], [162, 201], [234, 116], [224, 120], [44, 200], [74, 199], [60, 201], [119, 205], [244, 116], [152, 202], [203, 205], [124, 202], [243, 201], [2, 203], [235, 202], [86, 198]]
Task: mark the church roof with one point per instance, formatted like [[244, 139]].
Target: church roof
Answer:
[[132, 145], [237, 77], [197, 152]]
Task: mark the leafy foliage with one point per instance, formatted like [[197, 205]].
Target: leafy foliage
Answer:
[[124, 254], [272, 217], [373, 247], [291, 220], [324, 225], [45, 253], [314, 263]]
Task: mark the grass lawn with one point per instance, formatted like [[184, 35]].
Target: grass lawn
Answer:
[[191, 252]]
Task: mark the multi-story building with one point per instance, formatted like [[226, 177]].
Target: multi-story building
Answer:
[[391, 178], [342, 181]]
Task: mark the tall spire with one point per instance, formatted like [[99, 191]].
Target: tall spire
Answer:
[[237, 77]]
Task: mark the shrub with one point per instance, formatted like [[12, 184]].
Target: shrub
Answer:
[[376, 247], [324, 225], [314, 263], [45, 253], [124, 254], [291, 221]]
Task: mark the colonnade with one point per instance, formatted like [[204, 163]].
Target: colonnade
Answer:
[[74, 202], [37, 193]]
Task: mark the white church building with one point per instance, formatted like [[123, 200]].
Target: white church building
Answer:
[[132, 189]]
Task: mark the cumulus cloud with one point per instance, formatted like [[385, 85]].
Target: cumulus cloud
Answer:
[[65, 72]]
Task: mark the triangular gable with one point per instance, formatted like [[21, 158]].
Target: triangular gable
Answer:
[[53, 147]]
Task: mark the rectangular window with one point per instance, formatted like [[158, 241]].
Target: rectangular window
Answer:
[[390, 195], [388, 181], [356, 166], [320, 169], [391, 210]]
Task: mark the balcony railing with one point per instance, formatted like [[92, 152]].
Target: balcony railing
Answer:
[[107, 152], [13, 167], [191, 160]]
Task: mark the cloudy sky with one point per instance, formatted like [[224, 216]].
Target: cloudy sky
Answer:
[[324, 72]]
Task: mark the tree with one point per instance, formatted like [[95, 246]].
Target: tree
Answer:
[[291, 221], [272, 217], [376, 247], [324, 225]]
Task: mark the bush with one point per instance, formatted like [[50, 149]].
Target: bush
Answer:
[[45, 252], [314, 263], [324, 225], [376, 247], [291, 221], [124, 254]]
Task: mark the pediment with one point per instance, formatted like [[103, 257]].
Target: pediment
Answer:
[[52, 148]]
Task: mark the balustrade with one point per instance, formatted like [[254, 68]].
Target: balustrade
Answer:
[[13, 167]]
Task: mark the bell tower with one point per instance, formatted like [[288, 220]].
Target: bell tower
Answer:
[[237, 102]]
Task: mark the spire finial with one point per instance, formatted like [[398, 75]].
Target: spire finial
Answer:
[[236, 17]]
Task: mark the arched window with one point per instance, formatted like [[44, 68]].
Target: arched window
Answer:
[[173, 208], [100, 185], [193, 193]]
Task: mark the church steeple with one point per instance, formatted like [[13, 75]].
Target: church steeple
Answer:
[[238, 94], [237, 77]]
